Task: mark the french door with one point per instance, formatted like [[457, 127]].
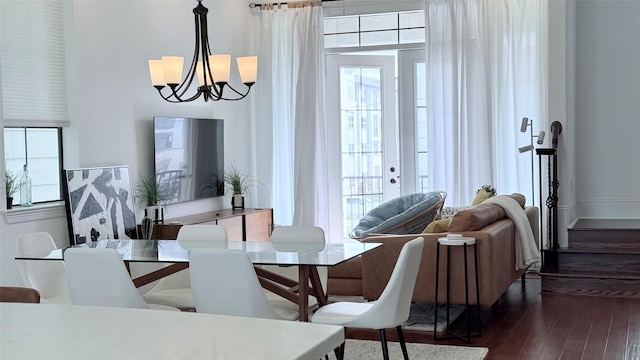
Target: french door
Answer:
[[362, 143]]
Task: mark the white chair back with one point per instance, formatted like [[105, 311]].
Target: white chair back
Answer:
[[45, 276], [394, 305], [98, 277], [298, 233], [224, 282], [199, 235]]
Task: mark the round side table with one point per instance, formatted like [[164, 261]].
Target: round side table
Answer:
[[450, 241]]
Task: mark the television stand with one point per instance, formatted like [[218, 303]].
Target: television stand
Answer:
[[241, 224]]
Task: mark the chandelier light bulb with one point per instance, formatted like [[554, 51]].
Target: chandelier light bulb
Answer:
[[172, 69], [220, 67], [248, 67], [157, 73]]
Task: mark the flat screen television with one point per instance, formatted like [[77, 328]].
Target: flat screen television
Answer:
[[189, 157]]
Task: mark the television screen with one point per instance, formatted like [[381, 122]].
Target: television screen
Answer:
[[189, 157]]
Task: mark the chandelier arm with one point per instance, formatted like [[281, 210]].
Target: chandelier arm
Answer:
[[168, 97], [239, 93], [186, 84], [242, 96], [205, 49]]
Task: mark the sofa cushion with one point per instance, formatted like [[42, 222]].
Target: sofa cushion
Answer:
[[476, 217], [479, 216], [437, 226], [407, 214]]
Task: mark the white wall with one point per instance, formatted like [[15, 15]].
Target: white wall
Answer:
[[607, 109], [113, 102]]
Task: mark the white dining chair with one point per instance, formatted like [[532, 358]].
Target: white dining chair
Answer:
[[45, 276], [175, 289], [98, 277], [225, 282], [390, 310], [295, 239]]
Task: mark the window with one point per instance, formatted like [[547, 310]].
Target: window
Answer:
[[33, 52], [394, 28], [40, 149]]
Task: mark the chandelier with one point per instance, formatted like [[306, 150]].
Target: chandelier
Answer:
[[212, 71]]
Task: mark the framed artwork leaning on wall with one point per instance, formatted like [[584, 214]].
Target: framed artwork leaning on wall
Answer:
[[99, 204]]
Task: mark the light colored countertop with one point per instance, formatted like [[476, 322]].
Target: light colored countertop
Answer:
[[46, 331]]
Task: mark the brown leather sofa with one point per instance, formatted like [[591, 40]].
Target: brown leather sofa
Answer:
[[367, 275]]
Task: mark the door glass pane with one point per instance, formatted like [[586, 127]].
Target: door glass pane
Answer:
[[420, 91], [361, 142]]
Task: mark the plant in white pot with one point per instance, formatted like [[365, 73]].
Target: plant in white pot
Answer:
[[12, 184], [238, 183], [150, 195]]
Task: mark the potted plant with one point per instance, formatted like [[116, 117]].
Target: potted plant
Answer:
[[150, 195], [238, 183], [12, 183]]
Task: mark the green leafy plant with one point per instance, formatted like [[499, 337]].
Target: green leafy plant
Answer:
[[12, 183], [236, 180], [147, 192]]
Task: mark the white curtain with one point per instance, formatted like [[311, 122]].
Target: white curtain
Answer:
[[290, 122], [486, 70]]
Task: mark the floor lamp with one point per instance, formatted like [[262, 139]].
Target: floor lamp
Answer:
[[528, 124]]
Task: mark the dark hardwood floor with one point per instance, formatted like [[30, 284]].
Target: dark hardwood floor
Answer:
[[528, 325]]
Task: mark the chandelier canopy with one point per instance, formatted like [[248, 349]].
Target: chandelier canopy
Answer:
[[212, 71]]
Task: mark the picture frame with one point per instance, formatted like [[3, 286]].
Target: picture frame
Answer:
[[99, 204]]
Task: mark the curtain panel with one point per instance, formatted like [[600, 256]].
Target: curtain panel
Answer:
[[291, 124], [486, 70]]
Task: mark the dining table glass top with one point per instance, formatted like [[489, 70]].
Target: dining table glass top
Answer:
[[260, 252]]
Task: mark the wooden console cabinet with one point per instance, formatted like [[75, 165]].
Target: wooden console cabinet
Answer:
[[241, 224]]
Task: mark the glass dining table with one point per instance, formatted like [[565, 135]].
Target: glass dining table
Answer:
[[306, 256]]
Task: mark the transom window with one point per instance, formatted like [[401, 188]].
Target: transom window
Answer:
[[374, 29]]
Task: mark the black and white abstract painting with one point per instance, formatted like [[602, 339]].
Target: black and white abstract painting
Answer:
[[99, 204]]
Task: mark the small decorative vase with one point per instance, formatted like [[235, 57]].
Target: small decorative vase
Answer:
[[237, 201], [146, 226], [156, 213]]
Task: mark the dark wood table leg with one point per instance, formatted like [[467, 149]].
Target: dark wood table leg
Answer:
[[316, 284], [303, 292], [158, 274]]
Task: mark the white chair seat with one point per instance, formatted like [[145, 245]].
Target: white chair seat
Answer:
[[181, 298], [342, 313]]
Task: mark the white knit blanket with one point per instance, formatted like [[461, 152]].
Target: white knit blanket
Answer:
[[527, 252]]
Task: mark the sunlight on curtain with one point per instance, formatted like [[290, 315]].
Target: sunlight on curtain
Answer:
[[486, 70], [290, 124]]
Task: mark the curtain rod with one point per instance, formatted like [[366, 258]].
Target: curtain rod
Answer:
[[260, 6]]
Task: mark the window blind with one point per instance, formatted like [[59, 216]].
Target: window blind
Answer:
[[33, 63]]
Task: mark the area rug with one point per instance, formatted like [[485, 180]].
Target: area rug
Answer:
[[421, 316], [372, 350]]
